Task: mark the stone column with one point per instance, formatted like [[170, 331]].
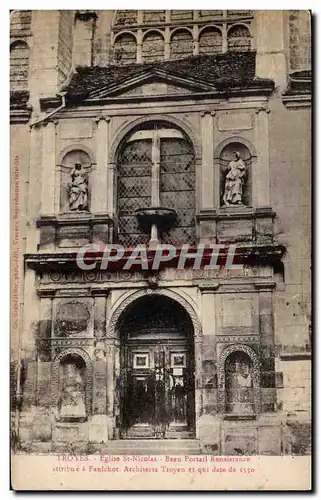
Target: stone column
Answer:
[[29, 334], [48, 168], [167, 47], [99, 421], [224, 38], [266, 329], [198, 380], [83, 38], [270, 38], [99, 185], [139, 55], [113, 386], [207, 134], [266, 321], [42, 420], [261, 168], [195, 40], [111, 188]]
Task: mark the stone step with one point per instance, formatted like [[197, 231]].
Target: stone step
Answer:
[[153, 447]]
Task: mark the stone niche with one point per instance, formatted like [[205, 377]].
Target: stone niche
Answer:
[[74, 225], [75, 185], [235, 176], [235, 219]]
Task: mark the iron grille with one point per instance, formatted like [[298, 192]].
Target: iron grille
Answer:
[[133, 190], [177, 189]]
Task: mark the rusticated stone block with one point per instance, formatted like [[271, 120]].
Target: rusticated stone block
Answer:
[[269, 440], [234, 231]]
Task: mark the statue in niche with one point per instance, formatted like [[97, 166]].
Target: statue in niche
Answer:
[[234, 181], [78, 189], [72, 396], [239, 385]]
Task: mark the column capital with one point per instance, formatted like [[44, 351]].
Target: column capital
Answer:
[[50, 121], [262, 108], [102, 118], [207, 112]]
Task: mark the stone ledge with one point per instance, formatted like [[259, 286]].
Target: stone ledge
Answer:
[[295, 356], [73, 219], [232, 213]]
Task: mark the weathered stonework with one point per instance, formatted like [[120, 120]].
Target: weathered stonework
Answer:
[[200, 95]]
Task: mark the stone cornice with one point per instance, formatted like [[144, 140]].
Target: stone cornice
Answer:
[[78, 218], [235, 213], [297, 101], [247, 255]]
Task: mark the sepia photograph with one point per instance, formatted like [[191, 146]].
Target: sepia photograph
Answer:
[[160, 173]]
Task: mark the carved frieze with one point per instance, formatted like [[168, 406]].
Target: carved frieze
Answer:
[[169, 274]]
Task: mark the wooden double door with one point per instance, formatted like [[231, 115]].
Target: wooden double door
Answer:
[[158, 390]]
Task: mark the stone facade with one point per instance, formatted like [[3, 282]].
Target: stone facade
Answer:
[[149, 103]]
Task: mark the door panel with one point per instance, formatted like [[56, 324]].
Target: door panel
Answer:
[[159, 396]]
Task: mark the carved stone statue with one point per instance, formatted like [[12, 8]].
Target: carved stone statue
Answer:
[[234, 181], [78, 189], [239, 389], [72, 399]]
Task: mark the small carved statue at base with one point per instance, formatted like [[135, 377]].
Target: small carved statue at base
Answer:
[[234, 182], [72, 401], [78, 189]]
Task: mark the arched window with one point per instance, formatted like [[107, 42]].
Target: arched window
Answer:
[[181, 44], [239, 38], [125, 49], [156, 155], [19, 65], [153, 47], [210, 41]]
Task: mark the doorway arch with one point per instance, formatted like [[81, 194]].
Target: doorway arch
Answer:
[[157, 366]]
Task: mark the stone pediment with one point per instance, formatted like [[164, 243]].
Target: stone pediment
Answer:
[[151, 83]]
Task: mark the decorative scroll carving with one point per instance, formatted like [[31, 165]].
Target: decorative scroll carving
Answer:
[[112, 331], [169, 274], [72, 319], [222, 375]]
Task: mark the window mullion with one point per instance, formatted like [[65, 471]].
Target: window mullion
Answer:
[[155, 169]]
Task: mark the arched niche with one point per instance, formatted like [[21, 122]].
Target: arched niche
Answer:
[[72, 385], [153, 46], [235, 164], [19, 65], [239, 38], [210, 40], [181, 44], [239, 381], [125, 48], [75, 193]]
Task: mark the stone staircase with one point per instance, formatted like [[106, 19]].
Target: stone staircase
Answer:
[[153, 447]]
